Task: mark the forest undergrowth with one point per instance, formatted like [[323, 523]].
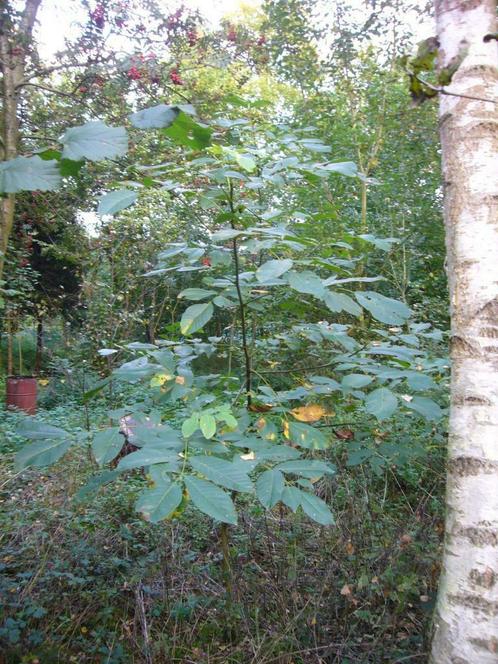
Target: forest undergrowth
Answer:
[[89, 581]]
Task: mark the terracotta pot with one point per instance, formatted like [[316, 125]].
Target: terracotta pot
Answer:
[[21, 393]]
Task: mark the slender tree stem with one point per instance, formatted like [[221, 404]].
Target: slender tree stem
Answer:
[[243, 322]]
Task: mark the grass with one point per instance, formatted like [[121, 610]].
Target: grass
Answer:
[[92, 582]]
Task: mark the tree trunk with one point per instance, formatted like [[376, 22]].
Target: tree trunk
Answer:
[[466, 617], [39, 346], [14, 49], [10, 345]]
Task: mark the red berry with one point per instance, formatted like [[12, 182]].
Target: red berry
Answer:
[[83, 89], [206, 261], [261, 41], [174, 77], [134, 74], [192, 37], [232, 35]]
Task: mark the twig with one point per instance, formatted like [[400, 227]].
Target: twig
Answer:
[[143, 622], [443, 91]]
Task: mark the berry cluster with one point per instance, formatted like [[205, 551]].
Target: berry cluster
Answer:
[[174, 77]]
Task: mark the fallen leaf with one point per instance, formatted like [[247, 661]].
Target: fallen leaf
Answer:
[[344, 434], [346, 591]]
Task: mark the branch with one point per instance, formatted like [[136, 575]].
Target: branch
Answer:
[[47, 88], [69, 65], [443, 91]]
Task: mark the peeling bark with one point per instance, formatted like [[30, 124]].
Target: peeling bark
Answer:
[[466, 617]]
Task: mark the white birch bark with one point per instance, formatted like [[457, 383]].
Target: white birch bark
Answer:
[[466, 618]]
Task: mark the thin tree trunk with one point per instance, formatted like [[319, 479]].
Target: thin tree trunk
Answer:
[[10, 345], [14, 48], [39, 345], [466, 618]]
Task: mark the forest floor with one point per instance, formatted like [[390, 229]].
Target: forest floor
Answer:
[[90, 581]]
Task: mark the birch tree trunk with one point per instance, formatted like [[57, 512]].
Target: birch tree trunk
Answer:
[[466, 618]]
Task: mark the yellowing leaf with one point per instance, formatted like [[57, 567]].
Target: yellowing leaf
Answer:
[[310, 413], [180, 380], [159, 379], [261, 423], [286, 429], [43, 381]]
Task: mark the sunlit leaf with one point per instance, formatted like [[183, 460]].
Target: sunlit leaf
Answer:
[[195, 317], [94, 141], [29, 174], [273, 269], [309, 413]]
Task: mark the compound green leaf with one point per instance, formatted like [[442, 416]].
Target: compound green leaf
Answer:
[[106, 445], [316, 508], [207, 425], [220, 471], [307, 436], [211, 500], [42, 453], [30, 428], [291, 497], [95, 482], [269, 487], [148, 456], [159, 502], [307, 467]]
